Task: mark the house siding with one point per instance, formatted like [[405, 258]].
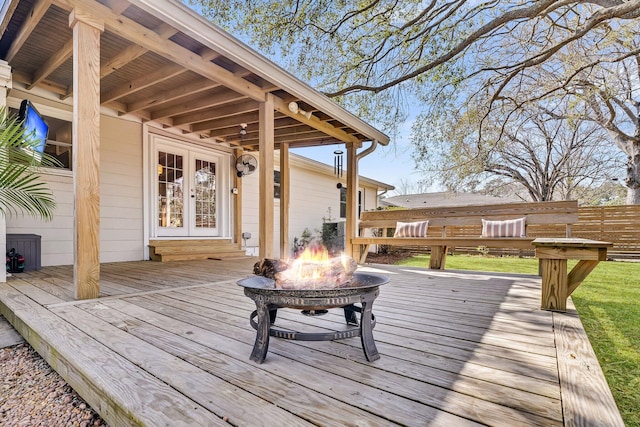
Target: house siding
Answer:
[[121, 212], [314, 200]]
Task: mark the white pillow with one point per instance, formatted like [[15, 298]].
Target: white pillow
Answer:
[[506, 228], [411, 229]]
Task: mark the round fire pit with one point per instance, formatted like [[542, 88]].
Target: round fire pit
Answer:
[[363, 289]]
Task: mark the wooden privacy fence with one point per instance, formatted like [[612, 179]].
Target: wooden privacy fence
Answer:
[[617, 224]]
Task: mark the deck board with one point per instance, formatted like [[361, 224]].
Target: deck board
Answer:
[[457, 348]]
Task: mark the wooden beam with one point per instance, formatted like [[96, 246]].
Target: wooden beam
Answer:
[[164, 96], [19, 76], [86, 153], [118, 6], [225, 111], [208, 100], [237, 205], [30, 23], [266, 203], [223, 122], [252, 127], [132, 52], [285, 197], [52, 64], [282, 107], [138, 34], [143, 82]]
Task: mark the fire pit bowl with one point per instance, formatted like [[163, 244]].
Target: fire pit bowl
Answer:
[[363, 289]]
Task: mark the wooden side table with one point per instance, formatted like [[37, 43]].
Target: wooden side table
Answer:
[[553, 254]]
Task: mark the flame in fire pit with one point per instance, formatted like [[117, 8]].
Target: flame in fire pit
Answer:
[[313, 269]]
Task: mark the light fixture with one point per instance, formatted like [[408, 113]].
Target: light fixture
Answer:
[[160, 169], [295, 109], [243, 129]]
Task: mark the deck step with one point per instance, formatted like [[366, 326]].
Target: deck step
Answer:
[[184, 250]]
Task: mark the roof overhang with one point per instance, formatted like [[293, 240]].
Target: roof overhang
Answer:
[[162, 62]]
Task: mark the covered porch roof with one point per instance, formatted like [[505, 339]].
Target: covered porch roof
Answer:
[[162, 62]]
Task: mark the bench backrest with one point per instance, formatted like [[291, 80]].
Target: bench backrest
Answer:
[[563, 213]]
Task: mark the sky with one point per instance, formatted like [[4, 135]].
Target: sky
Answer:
[[391, 164]]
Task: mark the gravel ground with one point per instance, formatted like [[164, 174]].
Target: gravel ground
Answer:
[[33, 394]]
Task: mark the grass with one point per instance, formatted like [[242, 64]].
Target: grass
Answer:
[[608, 302]]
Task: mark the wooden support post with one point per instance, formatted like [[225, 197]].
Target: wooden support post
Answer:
[[237, 202], [266, 204], [86, 153], [352, 199], [554, 284], [438, 257], [285, 196]]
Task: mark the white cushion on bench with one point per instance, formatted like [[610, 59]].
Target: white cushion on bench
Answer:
[[506, 228], [411, 229]]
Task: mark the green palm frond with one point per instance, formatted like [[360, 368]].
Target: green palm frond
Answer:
[[21, 192]]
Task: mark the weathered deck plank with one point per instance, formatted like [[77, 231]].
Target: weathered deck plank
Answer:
[[457, 348]]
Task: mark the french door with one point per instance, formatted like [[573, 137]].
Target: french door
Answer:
[[187, 189]]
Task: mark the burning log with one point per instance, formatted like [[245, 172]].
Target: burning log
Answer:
[[304, 273], [270, 267]]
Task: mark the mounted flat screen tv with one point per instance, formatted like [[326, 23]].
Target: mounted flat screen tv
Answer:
[[36, 129]]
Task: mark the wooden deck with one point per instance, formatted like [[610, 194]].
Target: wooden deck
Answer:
[[169, 344]]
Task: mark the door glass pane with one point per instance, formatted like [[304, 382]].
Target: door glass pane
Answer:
[[170, 190], [205, 194]]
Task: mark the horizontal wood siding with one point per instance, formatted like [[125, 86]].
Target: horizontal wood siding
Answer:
[[121, 210], [121, 216]]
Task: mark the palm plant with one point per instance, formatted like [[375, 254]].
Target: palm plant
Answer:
[[21, 192]]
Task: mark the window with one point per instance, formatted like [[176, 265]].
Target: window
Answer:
[[343, 202], [59, 144], [276, 184]]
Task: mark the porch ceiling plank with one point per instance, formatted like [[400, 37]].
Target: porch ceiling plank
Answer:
[[189, 105], [220, 123], [133, 51], [315, 123], [294, 139], [131, 30], [143, 82], [30, 23], [22, 77], [301, 137], [164, 96], [224, 111], [54, 61]]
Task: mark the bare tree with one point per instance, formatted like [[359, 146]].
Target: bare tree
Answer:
[[543, 155], [374, 56]]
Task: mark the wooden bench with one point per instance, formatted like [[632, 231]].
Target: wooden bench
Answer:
[[557, 283], [447, 227]]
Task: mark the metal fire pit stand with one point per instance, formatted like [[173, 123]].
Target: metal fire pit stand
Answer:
[[269, 300]]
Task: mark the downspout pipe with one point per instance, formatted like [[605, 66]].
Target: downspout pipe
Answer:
[[368, 150]]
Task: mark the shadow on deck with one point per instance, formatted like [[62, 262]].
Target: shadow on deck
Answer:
[[169, 344]]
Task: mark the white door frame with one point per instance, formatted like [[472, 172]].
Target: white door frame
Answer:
[[223, 188]]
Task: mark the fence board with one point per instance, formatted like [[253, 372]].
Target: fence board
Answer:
[[617, 224]]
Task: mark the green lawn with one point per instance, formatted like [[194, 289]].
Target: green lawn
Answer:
[[609, 305]]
